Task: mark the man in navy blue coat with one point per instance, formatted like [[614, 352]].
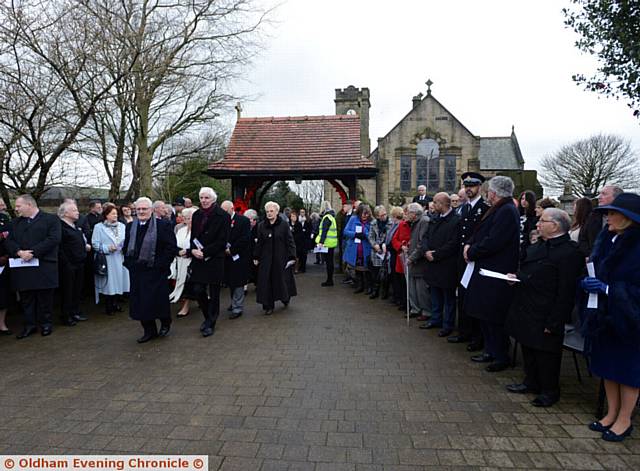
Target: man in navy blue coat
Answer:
[[495, 247]]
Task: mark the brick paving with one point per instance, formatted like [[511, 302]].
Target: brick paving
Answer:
[[335, 382]]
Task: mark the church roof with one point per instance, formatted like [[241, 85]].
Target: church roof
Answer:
[[500, 153], [306, 145]]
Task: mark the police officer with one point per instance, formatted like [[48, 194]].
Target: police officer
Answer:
[[470, 214]]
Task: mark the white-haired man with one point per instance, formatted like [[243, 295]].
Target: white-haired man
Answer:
[[237, 258], [210, 228], [422, 198], [149, 247]]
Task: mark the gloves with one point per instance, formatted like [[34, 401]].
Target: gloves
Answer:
[[593, 285], [359, 235]]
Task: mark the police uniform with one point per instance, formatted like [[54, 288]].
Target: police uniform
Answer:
[[470, 216]]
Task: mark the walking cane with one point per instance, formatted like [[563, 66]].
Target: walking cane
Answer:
[[406, 277]]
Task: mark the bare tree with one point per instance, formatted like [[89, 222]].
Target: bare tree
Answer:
[[589, 164], [311, 192]]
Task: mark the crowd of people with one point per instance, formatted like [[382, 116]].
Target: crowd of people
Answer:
[[480, 266]]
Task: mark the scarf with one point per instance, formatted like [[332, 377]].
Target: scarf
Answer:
[[148, 247], [206, 213]]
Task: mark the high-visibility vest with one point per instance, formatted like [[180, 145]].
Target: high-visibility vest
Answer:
[[331, 240]]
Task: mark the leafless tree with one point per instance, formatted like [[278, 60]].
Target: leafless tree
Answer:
[[311, 192], [587, 165]]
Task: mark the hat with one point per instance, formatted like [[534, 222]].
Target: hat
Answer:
[[625, 203], [179, 201], [472, 179]]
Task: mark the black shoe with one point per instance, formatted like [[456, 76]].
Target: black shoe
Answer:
[[45, 331], [521, 388], [146, 337], [117, 308], [482, 358], [69, 321], [497, 366], [80, 317], [544, 400], [268, 312], [235, 315], [286, 304], [203, 326], [475, 347], [230, 308], [374, 295], [430, 325], [164, 331], [445, 332], [326, 283], [27, 331], [598, 427], [6, 332], [457, 339], [358, 290], [207, 332], [348, 281], [610, 436]]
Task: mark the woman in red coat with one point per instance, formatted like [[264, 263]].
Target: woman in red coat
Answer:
[[400, 239]]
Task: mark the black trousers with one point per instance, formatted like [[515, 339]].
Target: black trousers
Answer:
[[496, 341], [330, 262], [37, 306], [468, 327], [542, 370], [302, 261], [71, 283], [209, 305], [399, 286], [151, 328]]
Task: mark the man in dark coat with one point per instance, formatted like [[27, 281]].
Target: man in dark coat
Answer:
[[237, 258], [210, 228], [275, 256], [543, 301], [471, 212], [440, 247], [34, 236], [597, 220], [149, 247], [495, 246], [72, 256], [422, 198]]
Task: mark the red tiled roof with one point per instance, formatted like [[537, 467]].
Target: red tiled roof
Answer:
[[306, 144]]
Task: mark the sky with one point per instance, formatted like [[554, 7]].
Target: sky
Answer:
[[493, 63]]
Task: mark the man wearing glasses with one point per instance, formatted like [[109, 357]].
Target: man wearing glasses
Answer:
[[544, 299]]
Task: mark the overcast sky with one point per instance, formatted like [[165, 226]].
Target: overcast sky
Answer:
[[494, 63]]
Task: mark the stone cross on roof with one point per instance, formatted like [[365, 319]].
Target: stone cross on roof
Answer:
[[429, 83]]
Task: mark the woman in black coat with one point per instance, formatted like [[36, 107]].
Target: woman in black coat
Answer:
[[274, 255], [210, 227], [299, 238], [528, 219]]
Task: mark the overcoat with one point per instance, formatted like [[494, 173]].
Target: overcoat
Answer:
[[470, 217], [495, 246], [298, 236], [589, 232], [274, 248], [149, 295], [443, 238], [401, 237], [546, 293], [308, 236], [211, 229], [612, 332], [42, 234], [419, 230], [117, 280], [349, 234], [236, 267]]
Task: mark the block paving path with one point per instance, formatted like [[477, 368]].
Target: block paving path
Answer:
[[335, 382]]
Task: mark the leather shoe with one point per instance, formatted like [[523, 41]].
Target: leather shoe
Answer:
[[457, 339], [520, 388], [544, 400], [497, 366], [230, 309], [146, 337], [474, 347], [207, 332], [268, 312], [235, 315], [444, 332], [610, 436], [422, 318], [45, 331], [26, 333], [80, 317], [203, 326], [430, 325], [164, 331], [598, 427], [69, 321], [5, 332], [326, 283], [482, 358]]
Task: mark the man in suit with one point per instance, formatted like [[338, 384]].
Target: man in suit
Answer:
[[210, 227], [422, 198], [597, 220], [237, 258], [35, 236], [470, 214], [149, 247]]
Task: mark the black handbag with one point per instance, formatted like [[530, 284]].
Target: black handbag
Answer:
[[100, 264]]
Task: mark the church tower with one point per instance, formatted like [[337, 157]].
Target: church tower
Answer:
[[352, 100]]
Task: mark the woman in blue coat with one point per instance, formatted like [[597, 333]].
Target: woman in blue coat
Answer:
[[108, 238], [358, 248], [612, 330]]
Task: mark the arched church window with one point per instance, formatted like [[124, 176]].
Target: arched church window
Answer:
[[405, 173], [428, 165]]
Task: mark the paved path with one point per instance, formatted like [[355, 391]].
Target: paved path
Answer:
[[335, 382]]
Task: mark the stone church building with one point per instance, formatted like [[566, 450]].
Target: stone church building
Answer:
[[429, 146]]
